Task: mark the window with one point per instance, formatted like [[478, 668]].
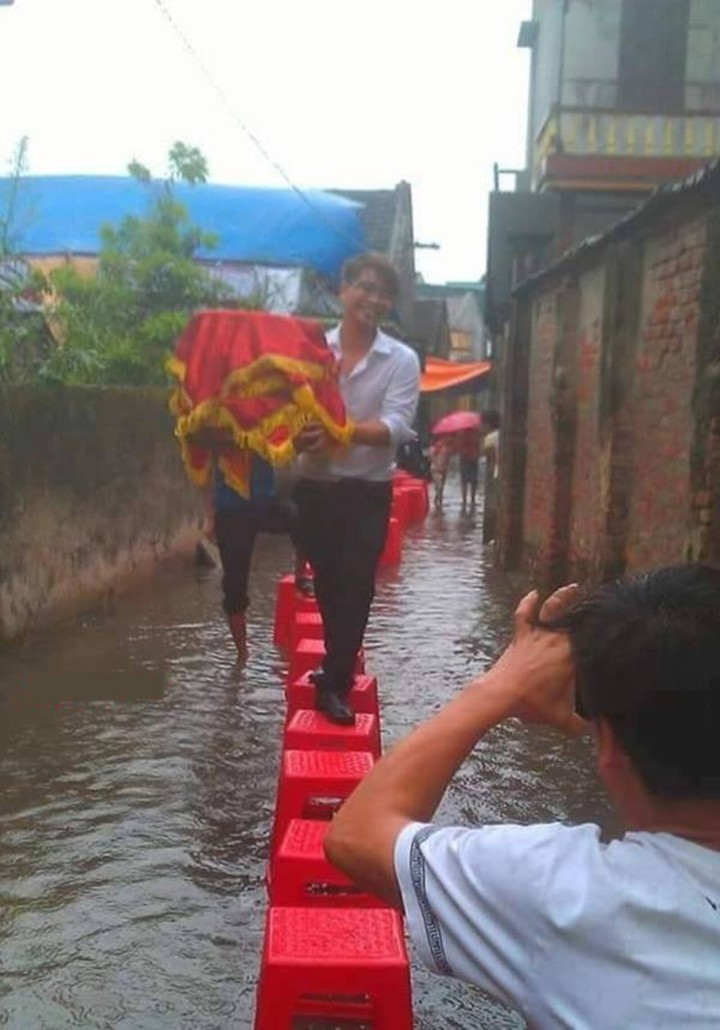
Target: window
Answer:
[[653, 47]]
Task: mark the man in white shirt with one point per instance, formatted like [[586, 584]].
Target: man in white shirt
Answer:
[[344, 494], [568, 930]]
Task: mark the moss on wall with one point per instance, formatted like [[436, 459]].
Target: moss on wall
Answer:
[[91, 488]]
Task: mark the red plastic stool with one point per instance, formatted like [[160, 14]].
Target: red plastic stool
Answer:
[[301, 875], [284, 610], [308, 656], [341, 963], [416, 491], [313, 785], [306, 626], [310, 730], [401, 504], [393, 544], [363, 697], [287, 602]]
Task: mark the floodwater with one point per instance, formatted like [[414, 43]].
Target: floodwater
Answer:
[[134, 832]]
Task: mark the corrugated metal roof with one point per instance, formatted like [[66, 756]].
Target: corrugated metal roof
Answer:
[[377, 214], [704, 183], [319, 230]]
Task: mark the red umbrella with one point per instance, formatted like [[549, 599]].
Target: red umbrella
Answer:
[[456, 421]]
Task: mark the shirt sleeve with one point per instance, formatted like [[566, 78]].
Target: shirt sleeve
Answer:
[[401, 398], [475, 901]]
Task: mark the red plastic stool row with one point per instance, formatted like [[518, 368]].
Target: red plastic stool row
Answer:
[[288, 602], [392, 551], [306, 626], [307, 656], [411, 497], [363, 697], [313, 785], [308, 730], [300, 874]]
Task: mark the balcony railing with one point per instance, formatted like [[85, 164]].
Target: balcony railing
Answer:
[[587, 132]]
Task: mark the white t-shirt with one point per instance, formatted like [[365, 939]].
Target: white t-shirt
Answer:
[[569, 931]]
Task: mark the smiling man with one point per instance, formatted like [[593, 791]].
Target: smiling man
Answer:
[[344, 494]]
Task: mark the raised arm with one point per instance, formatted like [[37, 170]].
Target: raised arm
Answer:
[[533, 679]]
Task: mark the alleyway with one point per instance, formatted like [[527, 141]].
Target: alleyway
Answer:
[[133, 834]]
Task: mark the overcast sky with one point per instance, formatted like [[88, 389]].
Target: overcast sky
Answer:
[[340, 95]]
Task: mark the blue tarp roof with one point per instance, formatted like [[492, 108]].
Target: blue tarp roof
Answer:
[[64, 213]]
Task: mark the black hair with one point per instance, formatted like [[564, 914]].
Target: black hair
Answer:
[[647, 659], [379, 264], [491, 419]]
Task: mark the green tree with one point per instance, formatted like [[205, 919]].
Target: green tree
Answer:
[[10, 206], [26, 342], [120, 325], [25, 338]]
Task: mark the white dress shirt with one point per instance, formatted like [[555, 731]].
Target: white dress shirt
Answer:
[[384, 386]]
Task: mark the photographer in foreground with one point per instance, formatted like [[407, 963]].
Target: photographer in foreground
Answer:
[[568, 930]]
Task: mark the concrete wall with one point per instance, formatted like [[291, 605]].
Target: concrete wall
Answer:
[[610, 447], [91, 490]]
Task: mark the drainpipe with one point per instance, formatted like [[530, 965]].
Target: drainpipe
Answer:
[[561, 63]]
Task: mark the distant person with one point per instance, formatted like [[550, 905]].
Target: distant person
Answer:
[[440, 453], [236, 522], [491, 453], [569, 930], [343, 496], [491, 442], [468, 448]]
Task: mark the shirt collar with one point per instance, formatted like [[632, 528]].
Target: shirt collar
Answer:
[[380, 345]]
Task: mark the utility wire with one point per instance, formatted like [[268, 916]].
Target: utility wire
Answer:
[[222, 96]]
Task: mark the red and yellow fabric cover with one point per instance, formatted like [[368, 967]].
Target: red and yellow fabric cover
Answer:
[[249, 381]]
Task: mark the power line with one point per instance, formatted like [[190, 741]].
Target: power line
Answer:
[[182, 36]]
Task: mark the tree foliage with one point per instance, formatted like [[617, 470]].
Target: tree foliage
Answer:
[[10, 202], [118, 325], [26, 342]]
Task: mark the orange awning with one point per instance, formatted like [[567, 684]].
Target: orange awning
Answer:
[[443, 375]]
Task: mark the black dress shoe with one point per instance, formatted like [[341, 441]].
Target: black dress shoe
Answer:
[[334, 707]]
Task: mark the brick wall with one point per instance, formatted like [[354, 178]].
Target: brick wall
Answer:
[[619, 443], [662, 405], [589, 464], [538, 509]]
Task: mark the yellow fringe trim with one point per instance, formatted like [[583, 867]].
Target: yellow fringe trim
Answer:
[[270, 364], [260, 378]]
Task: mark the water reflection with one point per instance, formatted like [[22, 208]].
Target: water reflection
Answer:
[[134, 831]]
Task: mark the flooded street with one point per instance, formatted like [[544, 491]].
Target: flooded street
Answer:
[[134, 833]]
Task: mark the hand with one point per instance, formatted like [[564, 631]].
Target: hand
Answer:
[[311, 438], [539, 664]]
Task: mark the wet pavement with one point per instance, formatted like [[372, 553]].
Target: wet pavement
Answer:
[[134, 832]]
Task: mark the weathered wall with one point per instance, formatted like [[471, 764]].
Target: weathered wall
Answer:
[[91, 490], [589, 475], [611, 440], [538, 508], [666, 370]]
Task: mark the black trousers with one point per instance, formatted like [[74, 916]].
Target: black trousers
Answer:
[[235, 532], [341, 529]]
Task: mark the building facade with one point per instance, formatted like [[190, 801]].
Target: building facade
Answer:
[[624, 96]]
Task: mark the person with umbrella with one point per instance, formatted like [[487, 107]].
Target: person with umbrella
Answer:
[[463, 428], [440, 454]]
